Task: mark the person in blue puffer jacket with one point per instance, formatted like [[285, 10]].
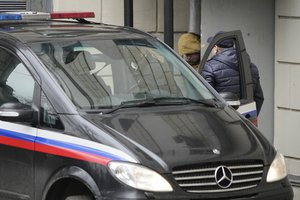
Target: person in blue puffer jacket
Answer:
[[222, 72]]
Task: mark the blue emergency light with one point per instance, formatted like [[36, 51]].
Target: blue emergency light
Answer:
[[4, 17]]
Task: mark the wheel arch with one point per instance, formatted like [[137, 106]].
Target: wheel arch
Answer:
[[71, 176]]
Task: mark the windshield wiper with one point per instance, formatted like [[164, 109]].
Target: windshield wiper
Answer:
[[206, 102], [161, 101], [130, 104]]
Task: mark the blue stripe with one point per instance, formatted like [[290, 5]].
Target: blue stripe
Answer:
[[250, 114], [44, 141], [16, 135]]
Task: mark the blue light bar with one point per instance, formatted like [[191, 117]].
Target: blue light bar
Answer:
[[4, 17]]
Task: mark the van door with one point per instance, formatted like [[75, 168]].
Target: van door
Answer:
[[247, 104], [17, 135]]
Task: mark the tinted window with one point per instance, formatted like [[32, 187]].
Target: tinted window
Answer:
[[16, 83]]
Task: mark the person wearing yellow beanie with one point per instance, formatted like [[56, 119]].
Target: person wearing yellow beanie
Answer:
[[189, 48]]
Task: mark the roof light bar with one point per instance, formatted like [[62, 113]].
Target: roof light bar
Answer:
[[35, 15], [72, 15], [31, 15]]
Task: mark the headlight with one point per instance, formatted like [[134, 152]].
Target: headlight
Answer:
[[139, 177], [277, 169]]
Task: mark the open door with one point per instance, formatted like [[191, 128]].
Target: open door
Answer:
[[247, 104]]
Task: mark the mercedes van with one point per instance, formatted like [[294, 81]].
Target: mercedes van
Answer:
[[92, 111]]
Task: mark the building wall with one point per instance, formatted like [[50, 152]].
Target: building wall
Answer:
[[287, 83], [257, 25]]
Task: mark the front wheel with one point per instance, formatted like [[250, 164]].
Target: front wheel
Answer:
[[79, 197]]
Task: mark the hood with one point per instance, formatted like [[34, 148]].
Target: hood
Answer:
[[163, 138], [228, 57]]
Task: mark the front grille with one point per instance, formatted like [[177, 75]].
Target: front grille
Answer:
[[201, 178]]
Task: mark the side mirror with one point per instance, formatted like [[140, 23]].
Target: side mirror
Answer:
[[232, 99], [16, 112]]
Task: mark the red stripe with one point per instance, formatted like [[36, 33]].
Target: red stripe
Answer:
[[69, 153], [16, 143]]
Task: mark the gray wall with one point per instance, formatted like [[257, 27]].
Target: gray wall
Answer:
[[255, 19], [287, 84], [39, 5]]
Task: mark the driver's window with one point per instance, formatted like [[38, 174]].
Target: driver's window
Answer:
[[16, 83]]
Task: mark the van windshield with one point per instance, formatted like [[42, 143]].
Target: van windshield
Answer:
[[104, 73]]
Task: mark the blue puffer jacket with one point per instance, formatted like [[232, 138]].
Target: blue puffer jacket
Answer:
[[222, 72]]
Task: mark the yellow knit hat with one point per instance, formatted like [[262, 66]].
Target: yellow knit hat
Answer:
[[188, 43]]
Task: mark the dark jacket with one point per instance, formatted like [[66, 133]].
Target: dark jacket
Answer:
[[222, 72]]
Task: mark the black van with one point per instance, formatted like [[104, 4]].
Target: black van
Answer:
[[91, 111]]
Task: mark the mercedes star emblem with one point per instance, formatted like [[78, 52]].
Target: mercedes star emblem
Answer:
[[223, 177]]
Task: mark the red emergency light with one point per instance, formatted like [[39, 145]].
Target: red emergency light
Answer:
[[71, 15]]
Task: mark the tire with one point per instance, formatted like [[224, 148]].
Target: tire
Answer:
[[80, 197]]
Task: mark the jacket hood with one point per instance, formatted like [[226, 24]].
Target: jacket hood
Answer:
[[163, 138], [228, 57]]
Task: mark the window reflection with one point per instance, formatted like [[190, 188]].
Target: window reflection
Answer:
[[103, 73]]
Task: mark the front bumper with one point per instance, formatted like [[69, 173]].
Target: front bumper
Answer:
[[279, 191]]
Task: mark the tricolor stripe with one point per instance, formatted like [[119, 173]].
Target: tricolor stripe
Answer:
[[16, 142], [248, 110], [55, 143], [69, 153]]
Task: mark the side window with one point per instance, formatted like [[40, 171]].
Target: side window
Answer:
[[16, 83], [49, 118]]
